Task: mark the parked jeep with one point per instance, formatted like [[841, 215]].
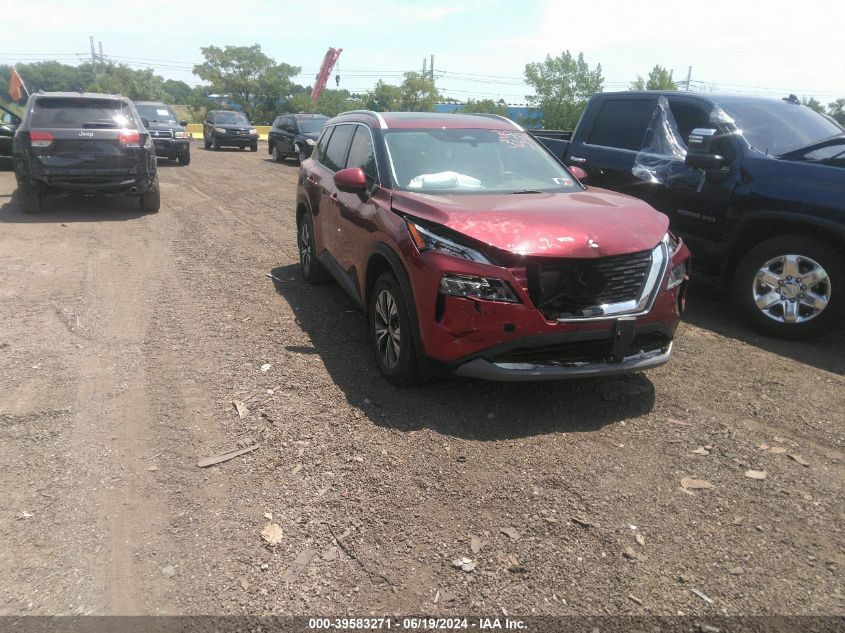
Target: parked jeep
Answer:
[[226, 128], [170, 137], [86, 143], [755, 186], [294, 135]]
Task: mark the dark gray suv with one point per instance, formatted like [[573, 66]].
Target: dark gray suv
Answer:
[[85, 143]]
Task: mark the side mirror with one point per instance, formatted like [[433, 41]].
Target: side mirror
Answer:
[[183, 123], [351, 180], [145, 122], [579, 173], [700, 150]]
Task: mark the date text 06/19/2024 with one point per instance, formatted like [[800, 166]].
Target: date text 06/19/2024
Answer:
[[417, 624]]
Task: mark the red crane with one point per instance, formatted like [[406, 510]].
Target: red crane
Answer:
[[325, 70]]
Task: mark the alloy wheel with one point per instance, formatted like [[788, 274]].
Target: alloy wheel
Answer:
[[305, 252], [387, 329], [791, 289]]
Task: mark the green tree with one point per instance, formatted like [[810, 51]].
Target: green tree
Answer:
[[384, 97], [813, 104], [836, 109], [485, 106], [129, 82], [658, 79], [562, 86], [330, 102], [245, 74], [177, 91], [418, 93]]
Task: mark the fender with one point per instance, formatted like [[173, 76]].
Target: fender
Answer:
[[832, 227], [405, 283]]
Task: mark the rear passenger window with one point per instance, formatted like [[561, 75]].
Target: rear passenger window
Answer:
[[361, 153], [622, 123], [335, 156]]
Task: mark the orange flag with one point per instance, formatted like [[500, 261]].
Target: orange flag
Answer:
[[16, 85]]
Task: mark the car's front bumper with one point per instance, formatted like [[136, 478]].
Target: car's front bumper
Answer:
[[523, 372], [231, 140], [170, 147]]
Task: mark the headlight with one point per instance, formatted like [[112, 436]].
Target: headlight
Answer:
[[487, 288], [672, 243], [310, 141], [253, 131], [677, 276], [220, 130], [426, 239], [181, 135]]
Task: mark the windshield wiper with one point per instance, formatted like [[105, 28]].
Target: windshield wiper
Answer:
[[527, 191], [839, 139]]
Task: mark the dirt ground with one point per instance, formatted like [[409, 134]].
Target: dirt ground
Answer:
[[125, 338]]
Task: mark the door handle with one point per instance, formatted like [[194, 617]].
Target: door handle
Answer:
[[333, 198], [577, 159], [311, 179]]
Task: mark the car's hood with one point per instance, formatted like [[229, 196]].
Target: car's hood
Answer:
[[586, 224]]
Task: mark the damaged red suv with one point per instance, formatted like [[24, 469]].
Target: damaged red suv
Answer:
[[475, 252]]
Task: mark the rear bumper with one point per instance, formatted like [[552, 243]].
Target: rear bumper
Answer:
[[93, 183], [522, 372]]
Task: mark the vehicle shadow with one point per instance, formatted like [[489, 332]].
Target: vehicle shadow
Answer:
[[74, 208], [709, 307], [470, 409]]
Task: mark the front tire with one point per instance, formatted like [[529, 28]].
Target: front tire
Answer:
[[277, 157], [300, 153], [253, 148], [390, 330], [215, 145], [791, 286], [206, 143], [311, 268], [184, 159]]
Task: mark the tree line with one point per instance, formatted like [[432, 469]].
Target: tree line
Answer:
[[262, 87]]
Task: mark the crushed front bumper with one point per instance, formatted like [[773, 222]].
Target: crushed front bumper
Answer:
[[523, 372]]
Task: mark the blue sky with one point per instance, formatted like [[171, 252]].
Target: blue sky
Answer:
[[480, 47]]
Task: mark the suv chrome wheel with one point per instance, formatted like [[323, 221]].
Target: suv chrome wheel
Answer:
[[305, 250], [791, 289], [387, 329]]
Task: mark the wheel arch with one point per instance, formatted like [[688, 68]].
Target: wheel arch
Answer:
[[760, 226], [384, 259]]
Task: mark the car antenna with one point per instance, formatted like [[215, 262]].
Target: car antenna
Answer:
[[792, 99]]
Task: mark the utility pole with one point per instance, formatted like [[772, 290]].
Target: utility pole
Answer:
[[102, 61], [431, 70], [424, 70], [689, 77], [93, 54]]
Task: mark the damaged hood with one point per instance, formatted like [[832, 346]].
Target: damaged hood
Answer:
[[587, 224]]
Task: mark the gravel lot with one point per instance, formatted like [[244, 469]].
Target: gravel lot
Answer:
[[124, 340]]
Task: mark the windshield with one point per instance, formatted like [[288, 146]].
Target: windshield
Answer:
[[780, 127], [231, 117], [311, 126], [473, 161], [53, 112], [159, 113]]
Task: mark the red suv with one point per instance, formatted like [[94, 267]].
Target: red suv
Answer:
[[474, 251]]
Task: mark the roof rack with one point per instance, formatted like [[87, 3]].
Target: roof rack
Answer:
[[375, 115]]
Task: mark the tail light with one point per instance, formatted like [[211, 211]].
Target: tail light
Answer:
[[130, 138], [38, 138]]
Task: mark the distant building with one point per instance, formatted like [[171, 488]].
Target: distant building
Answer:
[[525, 115]]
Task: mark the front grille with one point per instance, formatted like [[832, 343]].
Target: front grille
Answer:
[[576, 287], [161, 133], [237, 132]]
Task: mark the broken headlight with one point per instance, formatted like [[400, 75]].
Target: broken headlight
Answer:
[[426, 239], [487, 288]]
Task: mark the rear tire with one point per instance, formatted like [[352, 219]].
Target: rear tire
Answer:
[[311, 268], [791, 286], [151, 200], [390, 330], [30, 199]]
